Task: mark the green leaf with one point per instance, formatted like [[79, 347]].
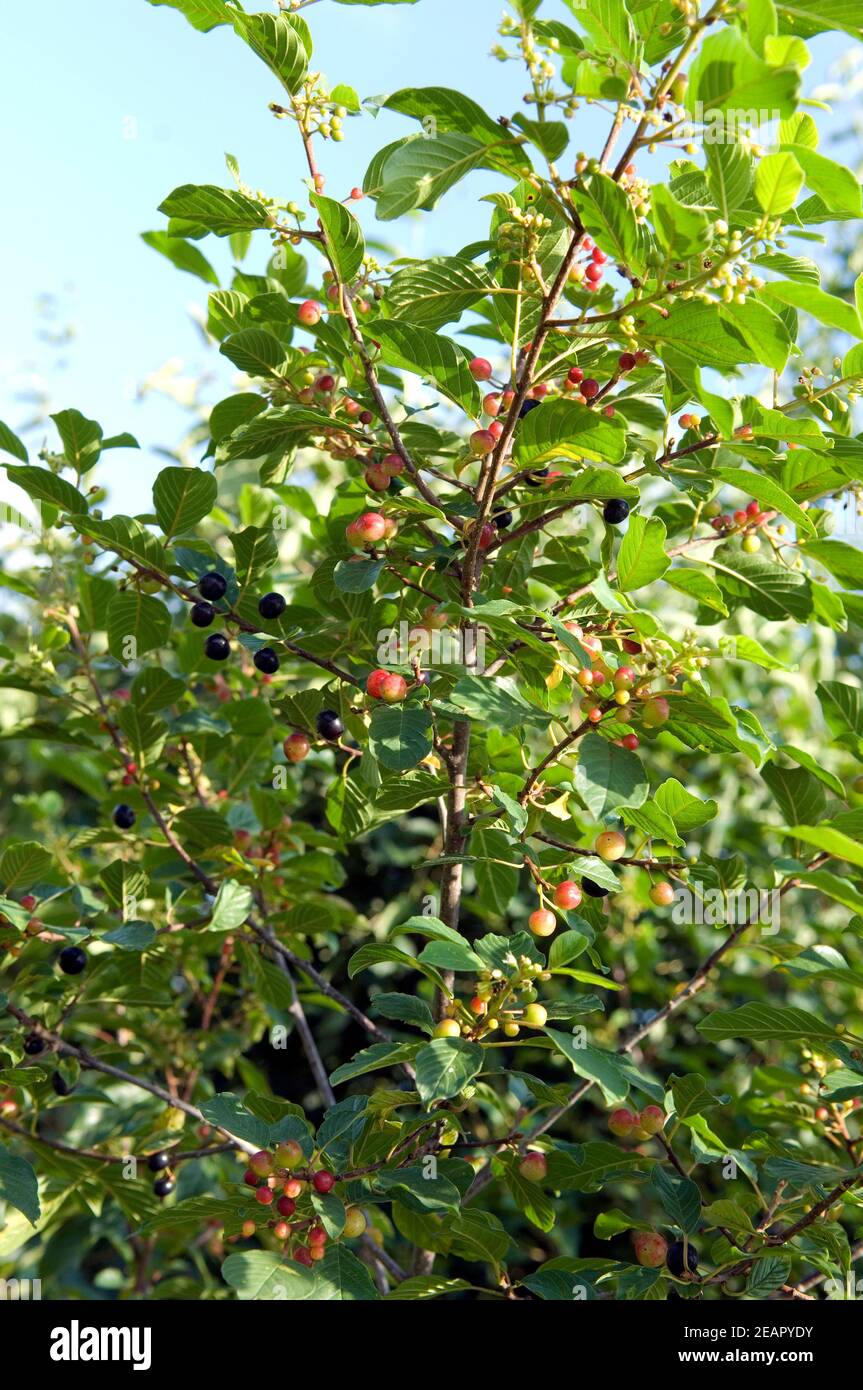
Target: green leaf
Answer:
[[642, 557], [682, 231], [438, 360], [441, 109], [444, 1067], [767, 1275], [182, 497], [343, 235], [399, 736], [730, 173], [404, 1008], [764, 1022], [18, 1185], [182, 254], [498, 703], [420, 170], [680, 1198], [434, 292], [275, 39], [256, 352], [82, 439], [418, 1287], [24, 864], [608, 776], [44, 486], [687, 812], [373, 1058], [136, 624], [451, 955], [799, 795], [833, 182], [341, 1277], [594, 1064], [827, 308], [232, 906], [218, 210], [566, 430], [201, 14], [728, 75], [607, 214], [769, 494], [692, 1096], [609, 24], [834, 842], [266, 1276], [778, 180]]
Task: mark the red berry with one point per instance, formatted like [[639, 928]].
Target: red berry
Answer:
[[622, 1122], [567, 895], [296, 747], [250, 1178], [393, 689], [608, 410], [323, 1181], [392, 464], [261, 1163], [495, 429], [626, 361], [377, 479], [593, 273], [285, 1207], [482, 442], [480, 368], [589, 388], [651, 1248], [309, 313], [594, 715], [630, 741], [741, 518], [303, 1256], [366, 417], [374, 683], [477, 1006], [533, 1167], [575, 374], [366, 530], [539, 390], [28, 902], [587, 244], [753, 509], [598, 256], [317, 1235], [264, 1195], [325, 382]]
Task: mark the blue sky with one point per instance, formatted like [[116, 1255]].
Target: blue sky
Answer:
[[108, 106]]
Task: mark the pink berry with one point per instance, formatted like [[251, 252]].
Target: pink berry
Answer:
[[567, 895], [366, 530], [309, 313], [482, 441], [480, 368]]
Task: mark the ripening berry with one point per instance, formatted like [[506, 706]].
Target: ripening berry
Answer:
[[534, 1016], [288, 1154], [323, 1181], [250, 1178], [355, 1223], [248, 1228], [392, 464], [447, 1028], [661, 894], [491, 403], [651, 1248], [377, 479], [585, 678], [567, 895], [589, 388], [309, 313], [434, 617], [624, 678], [477, 1006], [621, 697], [480, 368], [626, 361], [303, 1256], [652, 1119], [630, 741], [622, 1122], [750, 544], [656, 712], [393, 689], [542, 922], [374, 682], [261, 1163], [264, 1195], [482, 442], [610, 845], [594, 715], [316, 1235], [285, 1206], [293, 1188], [281, 1230], [366, 530], [575, 375], [533, 1167], [296, 747]]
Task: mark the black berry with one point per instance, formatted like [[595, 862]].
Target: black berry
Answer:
[[502, 520], [124, 817], [213, 585], [72, 960], [156, 1162], [329, 725], [527, 407], [534, 479], [593, 890], [674, 1258], [217, 647], [33, 1045], [272, 606], [163, 1187], [61, 1087], [266, 660], [202, 613], [615, 511]]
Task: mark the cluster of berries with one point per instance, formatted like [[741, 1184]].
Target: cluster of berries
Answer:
[[276, 1183]]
